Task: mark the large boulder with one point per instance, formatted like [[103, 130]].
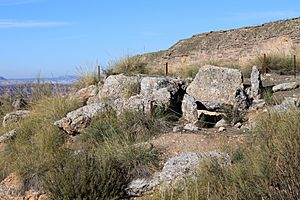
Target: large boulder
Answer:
[[216, 84], [181, 166], [285, 86], [79, 119], [84, 94], [137, 103], [163, 91], [119, 86], [14, 116]]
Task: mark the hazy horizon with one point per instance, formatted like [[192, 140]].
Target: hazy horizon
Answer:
[[54, 38]]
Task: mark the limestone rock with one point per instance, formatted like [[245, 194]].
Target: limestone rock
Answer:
[[15, 116], [256, 83], [119, 86], [221, 123], [242, 102], [287, 104], [222, 129], [190, 127], [189, 108], [176, 168], [79, 119], [7, 136], [216, 84], [137, 103], [162, 90], [177, 128], [285, 86], [85, 93], [19, 103]]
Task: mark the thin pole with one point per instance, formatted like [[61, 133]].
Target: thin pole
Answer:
[[264, 67], [295, 66], [167, 68], [99, 73]]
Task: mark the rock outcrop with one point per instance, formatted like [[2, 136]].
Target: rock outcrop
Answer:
[[119, 86], [14, 116], [176, 168], [285, 86], [84, 94], [79, 119], [7, 136], [216, 84]]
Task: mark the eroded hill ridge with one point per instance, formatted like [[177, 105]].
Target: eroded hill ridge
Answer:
[[235, 46]]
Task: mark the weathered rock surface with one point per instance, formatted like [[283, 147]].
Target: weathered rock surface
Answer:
[[14, 116], [285, 86], [176, 168], [287, 104], [242, 102], [85, 93], [256, 83], [79, 119], [19, 103], [136, 103], [216, 84], [221, 123], [190, 127], [162, 90], [189, 108], [119, 86], [7, 136]]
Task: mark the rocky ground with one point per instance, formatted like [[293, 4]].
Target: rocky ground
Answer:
[[218, 109]]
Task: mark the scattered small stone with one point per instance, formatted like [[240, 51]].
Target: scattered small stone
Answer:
[[177, 128], [191, 127], [238, 125], [222, 129], [221, 123]]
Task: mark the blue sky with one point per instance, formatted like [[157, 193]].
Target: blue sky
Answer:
[[56, 37]]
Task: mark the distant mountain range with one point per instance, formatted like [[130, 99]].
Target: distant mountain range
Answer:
[[54, 80]]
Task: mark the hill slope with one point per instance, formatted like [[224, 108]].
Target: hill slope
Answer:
[[236, 45]]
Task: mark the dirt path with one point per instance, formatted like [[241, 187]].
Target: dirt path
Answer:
[[202, 141]]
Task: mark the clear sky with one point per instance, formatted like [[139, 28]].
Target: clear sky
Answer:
[[54, 37]]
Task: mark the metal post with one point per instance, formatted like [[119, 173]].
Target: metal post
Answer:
[[167, 70], [99, 73], [295, 66], [264, 66]]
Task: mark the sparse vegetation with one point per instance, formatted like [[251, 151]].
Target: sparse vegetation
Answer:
[[87, 76], [264, 168], [128, 65]]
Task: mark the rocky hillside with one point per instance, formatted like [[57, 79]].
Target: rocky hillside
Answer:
[[117, 131], [234, 46]]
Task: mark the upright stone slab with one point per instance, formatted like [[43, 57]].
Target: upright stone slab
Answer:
[[216, 84], [256, 84]]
